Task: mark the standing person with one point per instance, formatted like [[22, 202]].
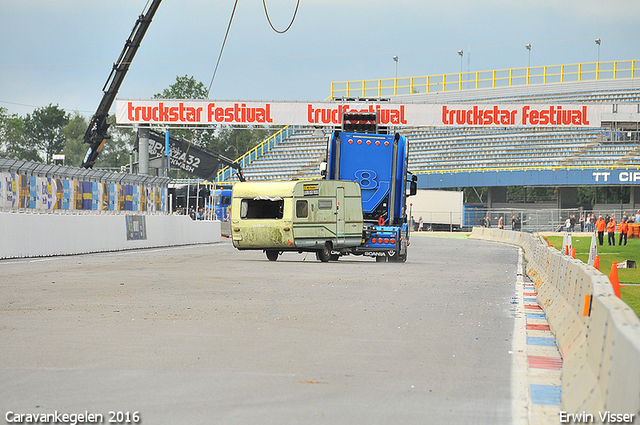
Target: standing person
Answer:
[[513, 222], [420, 224], [501, 223], [611, 230], [600, 225], [567, 224], [572, 218], [593, 223], [624, 229], [638, 216], [582, 222]]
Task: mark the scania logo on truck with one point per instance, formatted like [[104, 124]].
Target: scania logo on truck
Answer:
[[390, 253]]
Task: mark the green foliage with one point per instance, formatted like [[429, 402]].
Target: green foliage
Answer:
[[13, 143], [235, 142], [115, 152], [223, 140], [74, 147], [184, 88], [44, 130]]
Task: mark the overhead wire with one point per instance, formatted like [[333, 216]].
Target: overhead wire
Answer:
[[264, 3], [215, 71]]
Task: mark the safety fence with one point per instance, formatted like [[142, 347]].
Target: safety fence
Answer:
[[27, 186], [589, 71], [597, 334], [532, 219]]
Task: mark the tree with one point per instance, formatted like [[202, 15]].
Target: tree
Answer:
[[115, 152], [187, 88], [13, 143], [74, 147], [184, 88], [44, 130], [223, 140], [235, 142]]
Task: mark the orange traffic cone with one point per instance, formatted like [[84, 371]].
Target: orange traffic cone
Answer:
[[573, 253], [613, 278], [596, 263], [566, 250]]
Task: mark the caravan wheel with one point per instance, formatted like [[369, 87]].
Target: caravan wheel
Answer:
[[324, 254], [272, 255]]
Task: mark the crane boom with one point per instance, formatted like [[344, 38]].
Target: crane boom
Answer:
[[96, 133]]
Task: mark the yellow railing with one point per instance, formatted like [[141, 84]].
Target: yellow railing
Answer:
[[226, 173], [589, 71]]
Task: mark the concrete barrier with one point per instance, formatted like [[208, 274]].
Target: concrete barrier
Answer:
[[37, 235], [597, 334]]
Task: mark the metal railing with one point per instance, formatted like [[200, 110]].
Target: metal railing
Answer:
[[226, 173], [588, 71], [541, 220], [34, 187]]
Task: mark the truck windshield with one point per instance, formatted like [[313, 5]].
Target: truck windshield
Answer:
[[261, 209]]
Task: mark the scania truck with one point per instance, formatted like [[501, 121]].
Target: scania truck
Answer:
[[363, 153]]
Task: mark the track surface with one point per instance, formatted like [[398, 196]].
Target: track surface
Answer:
[[210, 335]]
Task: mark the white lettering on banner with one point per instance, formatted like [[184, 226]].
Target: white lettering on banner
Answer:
[[599, 174], [629, 176], [206, 112]]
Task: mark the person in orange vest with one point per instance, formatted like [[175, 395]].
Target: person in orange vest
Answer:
[[611, 230], [600, 225], [624, 229]]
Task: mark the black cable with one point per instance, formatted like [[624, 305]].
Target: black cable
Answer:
[[264, 2], [222, 48]]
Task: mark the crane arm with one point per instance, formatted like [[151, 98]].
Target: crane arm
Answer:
[[96, 133]]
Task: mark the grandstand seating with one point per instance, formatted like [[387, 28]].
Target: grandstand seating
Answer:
[[295, 157], [474, 149], [458, 149]]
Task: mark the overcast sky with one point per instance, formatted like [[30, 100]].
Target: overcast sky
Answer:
[[61, 51]]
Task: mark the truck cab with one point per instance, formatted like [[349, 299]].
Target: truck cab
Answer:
[[378, 163]]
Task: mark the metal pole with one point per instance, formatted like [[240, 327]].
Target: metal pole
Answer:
[[143, 149], [166, 150]]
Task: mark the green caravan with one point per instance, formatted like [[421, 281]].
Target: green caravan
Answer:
[[321, 216]]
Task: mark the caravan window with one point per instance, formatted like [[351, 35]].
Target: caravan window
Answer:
[[302, 209], [262, 208]]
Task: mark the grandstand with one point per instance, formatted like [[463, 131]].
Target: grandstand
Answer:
[[295, 157], [487, 149]]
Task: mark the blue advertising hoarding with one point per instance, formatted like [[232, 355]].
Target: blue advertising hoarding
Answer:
[[531, 177]]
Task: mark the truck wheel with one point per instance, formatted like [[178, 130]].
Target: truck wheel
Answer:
[[272, 255], [324, 254]]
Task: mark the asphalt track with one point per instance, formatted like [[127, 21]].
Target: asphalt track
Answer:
[[211, 335]]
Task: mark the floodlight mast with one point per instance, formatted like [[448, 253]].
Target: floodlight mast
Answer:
[[96, 133]]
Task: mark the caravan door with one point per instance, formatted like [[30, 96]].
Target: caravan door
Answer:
[[340, 216]]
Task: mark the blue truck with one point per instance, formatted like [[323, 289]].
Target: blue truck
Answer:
[[363, 153], [221, 203]]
